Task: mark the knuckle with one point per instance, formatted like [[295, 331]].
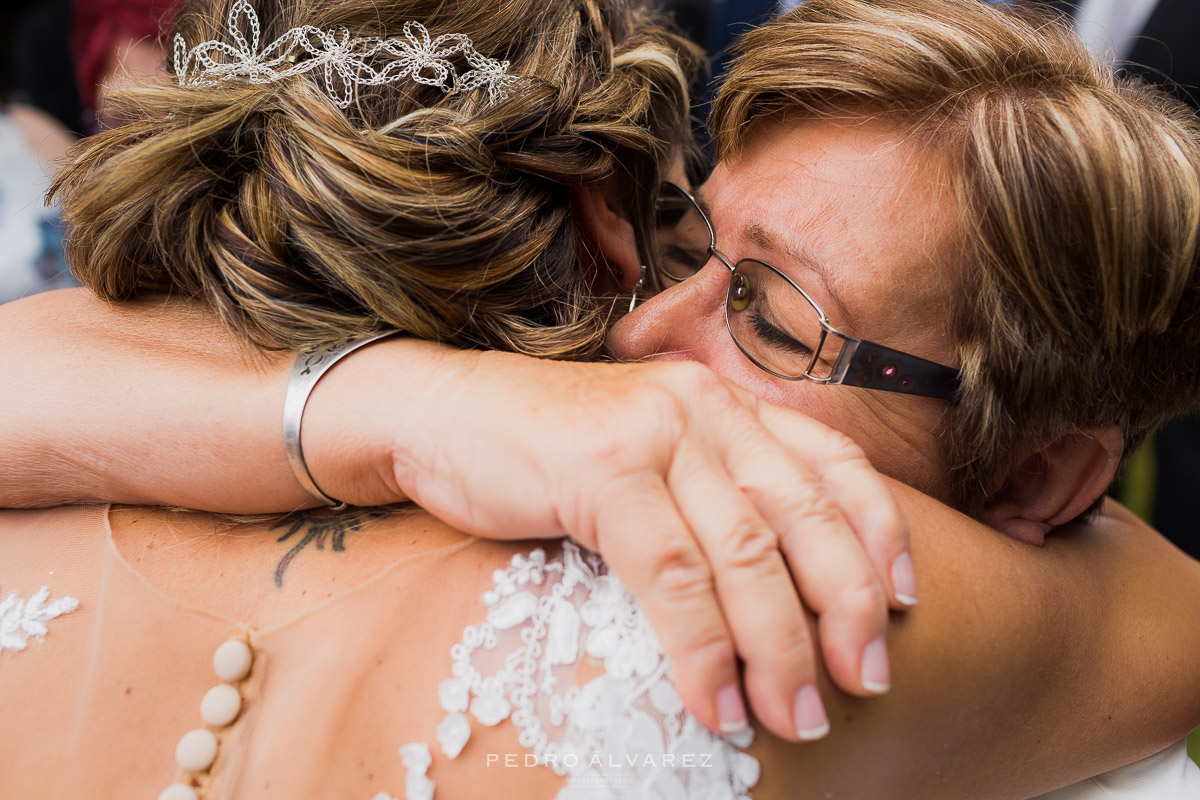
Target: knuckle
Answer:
[[706, 650], [651, 410], [750, 545], [891, 526], [814, 510], [697, 381], [692, 373], [840, 448], [865, 601], [792, 650], [638, 435], [679, 574], [747, 398]]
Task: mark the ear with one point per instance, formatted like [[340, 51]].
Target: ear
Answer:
[[1055, 483], [602, 216]]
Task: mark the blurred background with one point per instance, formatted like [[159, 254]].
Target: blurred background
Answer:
[[57, 58]]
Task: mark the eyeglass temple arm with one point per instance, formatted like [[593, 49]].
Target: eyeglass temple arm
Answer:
[[873, 366]]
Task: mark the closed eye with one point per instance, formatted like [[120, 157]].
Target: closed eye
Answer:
[[771, 335]]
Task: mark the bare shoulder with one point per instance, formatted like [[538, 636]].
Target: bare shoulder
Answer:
[[1023, 668]]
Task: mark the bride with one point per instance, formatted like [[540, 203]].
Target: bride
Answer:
[[337, 645]]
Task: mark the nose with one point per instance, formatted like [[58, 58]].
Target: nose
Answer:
[[685, 321]]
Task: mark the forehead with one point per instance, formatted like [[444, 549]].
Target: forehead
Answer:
[[852, 208]]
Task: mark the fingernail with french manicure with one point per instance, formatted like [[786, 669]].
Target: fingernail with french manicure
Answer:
[[731, 712], [808, 714], [876, 675], [904, 580]]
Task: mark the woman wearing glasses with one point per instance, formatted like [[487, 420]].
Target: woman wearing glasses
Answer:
[[778, 325], [643, 452]]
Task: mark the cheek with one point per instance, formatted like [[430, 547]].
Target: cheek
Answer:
[[829, 405], [900, 445], [840, 410]]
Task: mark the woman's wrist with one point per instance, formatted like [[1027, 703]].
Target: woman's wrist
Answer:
[[311, 365], [362, 413]]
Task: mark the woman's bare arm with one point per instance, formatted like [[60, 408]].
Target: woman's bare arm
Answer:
[[141, 403]]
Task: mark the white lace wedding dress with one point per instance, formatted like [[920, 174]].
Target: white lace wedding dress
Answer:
[[620, 733]]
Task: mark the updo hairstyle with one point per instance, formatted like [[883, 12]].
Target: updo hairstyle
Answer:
[[443, 214]]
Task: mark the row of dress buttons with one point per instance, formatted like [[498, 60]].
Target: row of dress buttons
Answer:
[[221, 705]]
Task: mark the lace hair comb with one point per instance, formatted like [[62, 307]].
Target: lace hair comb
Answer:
[[347, 61]]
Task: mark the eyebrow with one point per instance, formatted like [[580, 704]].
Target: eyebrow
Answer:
[[766, 239]]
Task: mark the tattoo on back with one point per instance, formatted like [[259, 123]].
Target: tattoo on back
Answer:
[[317, 528]]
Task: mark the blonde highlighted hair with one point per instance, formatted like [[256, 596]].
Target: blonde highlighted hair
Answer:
[[441, 214], [1078, 299]]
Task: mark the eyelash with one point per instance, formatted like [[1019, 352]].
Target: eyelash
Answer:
[[772, 335]]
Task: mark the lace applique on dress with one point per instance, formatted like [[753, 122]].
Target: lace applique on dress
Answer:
[[416, 759], [624, 733], [20, 619]]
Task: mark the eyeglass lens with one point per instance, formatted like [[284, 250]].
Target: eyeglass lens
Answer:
[[682, 234], [770, 318], [776, 326]]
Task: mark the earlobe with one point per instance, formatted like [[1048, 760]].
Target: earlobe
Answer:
[[602, 215], [1055, 483]]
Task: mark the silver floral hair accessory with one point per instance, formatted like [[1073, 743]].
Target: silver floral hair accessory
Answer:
[[343, 58]]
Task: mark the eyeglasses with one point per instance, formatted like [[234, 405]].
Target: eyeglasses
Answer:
[[775, 323]]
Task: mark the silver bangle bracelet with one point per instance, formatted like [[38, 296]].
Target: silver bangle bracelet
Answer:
[[311, 365]]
